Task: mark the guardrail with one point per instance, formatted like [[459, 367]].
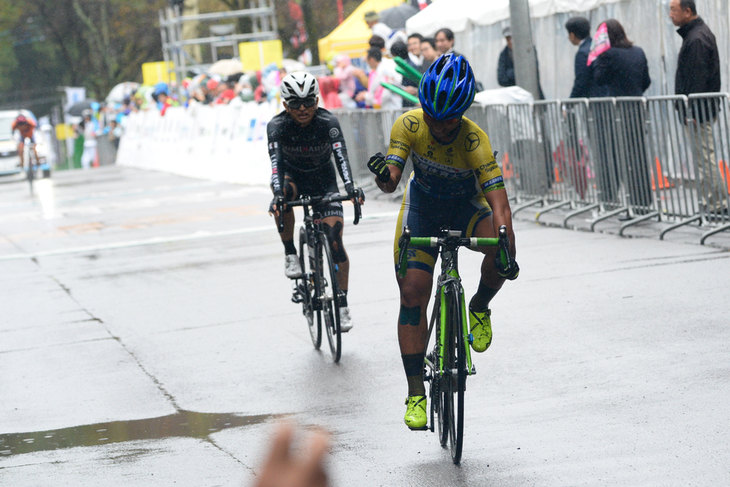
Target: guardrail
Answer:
[[222, 143], [659, 158]]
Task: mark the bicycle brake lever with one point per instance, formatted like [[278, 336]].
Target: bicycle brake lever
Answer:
[[358, 213]]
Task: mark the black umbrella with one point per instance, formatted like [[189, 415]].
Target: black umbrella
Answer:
[[395, 17], [77, 108]]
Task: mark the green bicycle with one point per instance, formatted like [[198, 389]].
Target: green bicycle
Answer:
[[447, 366]]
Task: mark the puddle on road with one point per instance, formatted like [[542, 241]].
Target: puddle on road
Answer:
[[181, 424]]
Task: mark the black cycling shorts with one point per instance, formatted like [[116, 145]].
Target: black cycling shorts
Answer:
[[318, 188]]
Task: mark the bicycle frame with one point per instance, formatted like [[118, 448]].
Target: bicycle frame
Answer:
[[313, 220], [449, 244], [451, 348], [315, 233], [450, 274], [318, 289]]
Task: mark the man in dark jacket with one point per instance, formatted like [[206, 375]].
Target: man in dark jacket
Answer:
[[579, 30], [506, 65], [698, 71]]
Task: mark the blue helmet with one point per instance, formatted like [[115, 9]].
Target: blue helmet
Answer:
[[447, 88], [161, 89]]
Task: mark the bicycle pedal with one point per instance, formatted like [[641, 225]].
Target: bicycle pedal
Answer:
[[296, 298], [424, 428]]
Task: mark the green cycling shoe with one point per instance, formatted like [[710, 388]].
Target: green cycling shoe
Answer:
[[416, 417], [481, 329]]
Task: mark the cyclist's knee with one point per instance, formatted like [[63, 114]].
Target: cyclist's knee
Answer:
[[334, 233], [414, 293]]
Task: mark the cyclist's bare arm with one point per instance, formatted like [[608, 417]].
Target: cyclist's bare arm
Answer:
[[390, 186], [35, 152], [502, 215]]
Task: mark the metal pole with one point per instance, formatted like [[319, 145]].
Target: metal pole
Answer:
[[180, 67], [523, 48], [164, 33]]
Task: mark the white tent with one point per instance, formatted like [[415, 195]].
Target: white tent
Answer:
[[458, 14], [477, 25]]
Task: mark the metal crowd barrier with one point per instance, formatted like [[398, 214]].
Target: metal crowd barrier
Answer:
[[660, 158]]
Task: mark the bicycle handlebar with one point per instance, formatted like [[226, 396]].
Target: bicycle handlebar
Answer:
[[306, 200], [453, 242]]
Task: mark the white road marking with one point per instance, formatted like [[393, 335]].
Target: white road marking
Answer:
[[161, 240]]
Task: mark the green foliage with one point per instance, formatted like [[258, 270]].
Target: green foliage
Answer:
[[96, 44]]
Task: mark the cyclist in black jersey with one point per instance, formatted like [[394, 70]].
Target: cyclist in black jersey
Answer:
[[302, 140]]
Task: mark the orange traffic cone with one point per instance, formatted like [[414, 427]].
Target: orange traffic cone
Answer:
[[663, 181], [507, 171]]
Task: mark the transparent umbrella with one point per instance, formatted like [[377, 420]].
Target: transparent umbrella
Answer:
[[395, 17], [121, 91], [226, 67]]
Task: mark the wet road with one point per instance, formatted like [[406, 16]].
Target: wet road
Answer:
[[147, 338]]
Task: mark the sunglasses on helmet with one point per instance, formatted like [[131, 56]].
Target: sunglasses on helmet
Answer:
[[296, 103]]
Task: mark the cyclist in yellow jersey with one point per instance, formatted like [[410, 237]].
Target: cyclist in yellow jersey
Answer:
[[456, 182]]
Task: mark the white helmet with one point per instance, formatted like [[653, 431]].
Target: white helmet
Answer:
[[299, 85]]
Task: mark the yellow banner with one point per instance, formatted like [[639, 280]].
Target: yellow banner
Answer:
[[64, 131], [257, 55], [153, 73]]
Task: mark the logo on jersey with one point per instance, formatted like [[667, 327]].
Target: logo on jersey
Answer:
[[336, 145], [273, 145], [334, 132], [411, 123], [471, 142]]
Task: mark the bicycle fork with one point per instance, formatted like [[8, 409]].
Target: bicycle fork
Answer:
[[467, 337]]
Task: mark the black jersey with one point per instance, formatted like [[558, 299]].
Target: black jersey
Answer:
[[305, 153]]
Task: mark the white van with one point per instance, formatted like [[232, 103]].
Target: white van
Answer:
[[9, 158]]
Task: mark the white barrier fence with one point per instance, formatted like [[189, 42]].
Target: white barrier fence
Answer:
[[220, 143]]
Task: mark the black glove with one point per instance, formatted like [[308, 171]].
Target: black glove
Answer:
[[377, 166], [277, 204], [511, 272]]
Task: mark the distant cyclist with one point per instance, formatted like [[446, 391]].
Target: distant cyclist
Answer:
[[26, 128], [456, 182], [302, 140]]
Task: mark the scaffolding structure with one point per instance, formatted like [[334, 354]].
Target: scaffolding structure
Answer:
[[263, 28]]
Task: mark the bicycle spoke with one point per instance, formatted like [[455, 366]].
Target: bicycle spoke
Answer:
[[329, 295], [307, 290], [457, 372]]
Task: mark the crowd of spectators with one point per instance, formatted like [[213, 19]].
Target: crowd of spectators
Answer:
[[375, 80]]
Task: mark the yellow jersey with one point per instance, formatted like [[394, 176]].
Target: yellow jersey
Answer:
[[457, 170]]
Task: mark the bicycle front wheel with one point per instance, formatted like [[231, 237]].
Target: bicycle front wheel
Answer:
[[30, 175], [329, 295], [458, 372], [307, 290], [453, 384]]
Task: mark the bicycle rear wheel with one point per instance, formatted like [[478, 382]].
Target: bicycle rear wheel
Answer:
[[457, 372], [329, 295], [307, 290], [30, 174]]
